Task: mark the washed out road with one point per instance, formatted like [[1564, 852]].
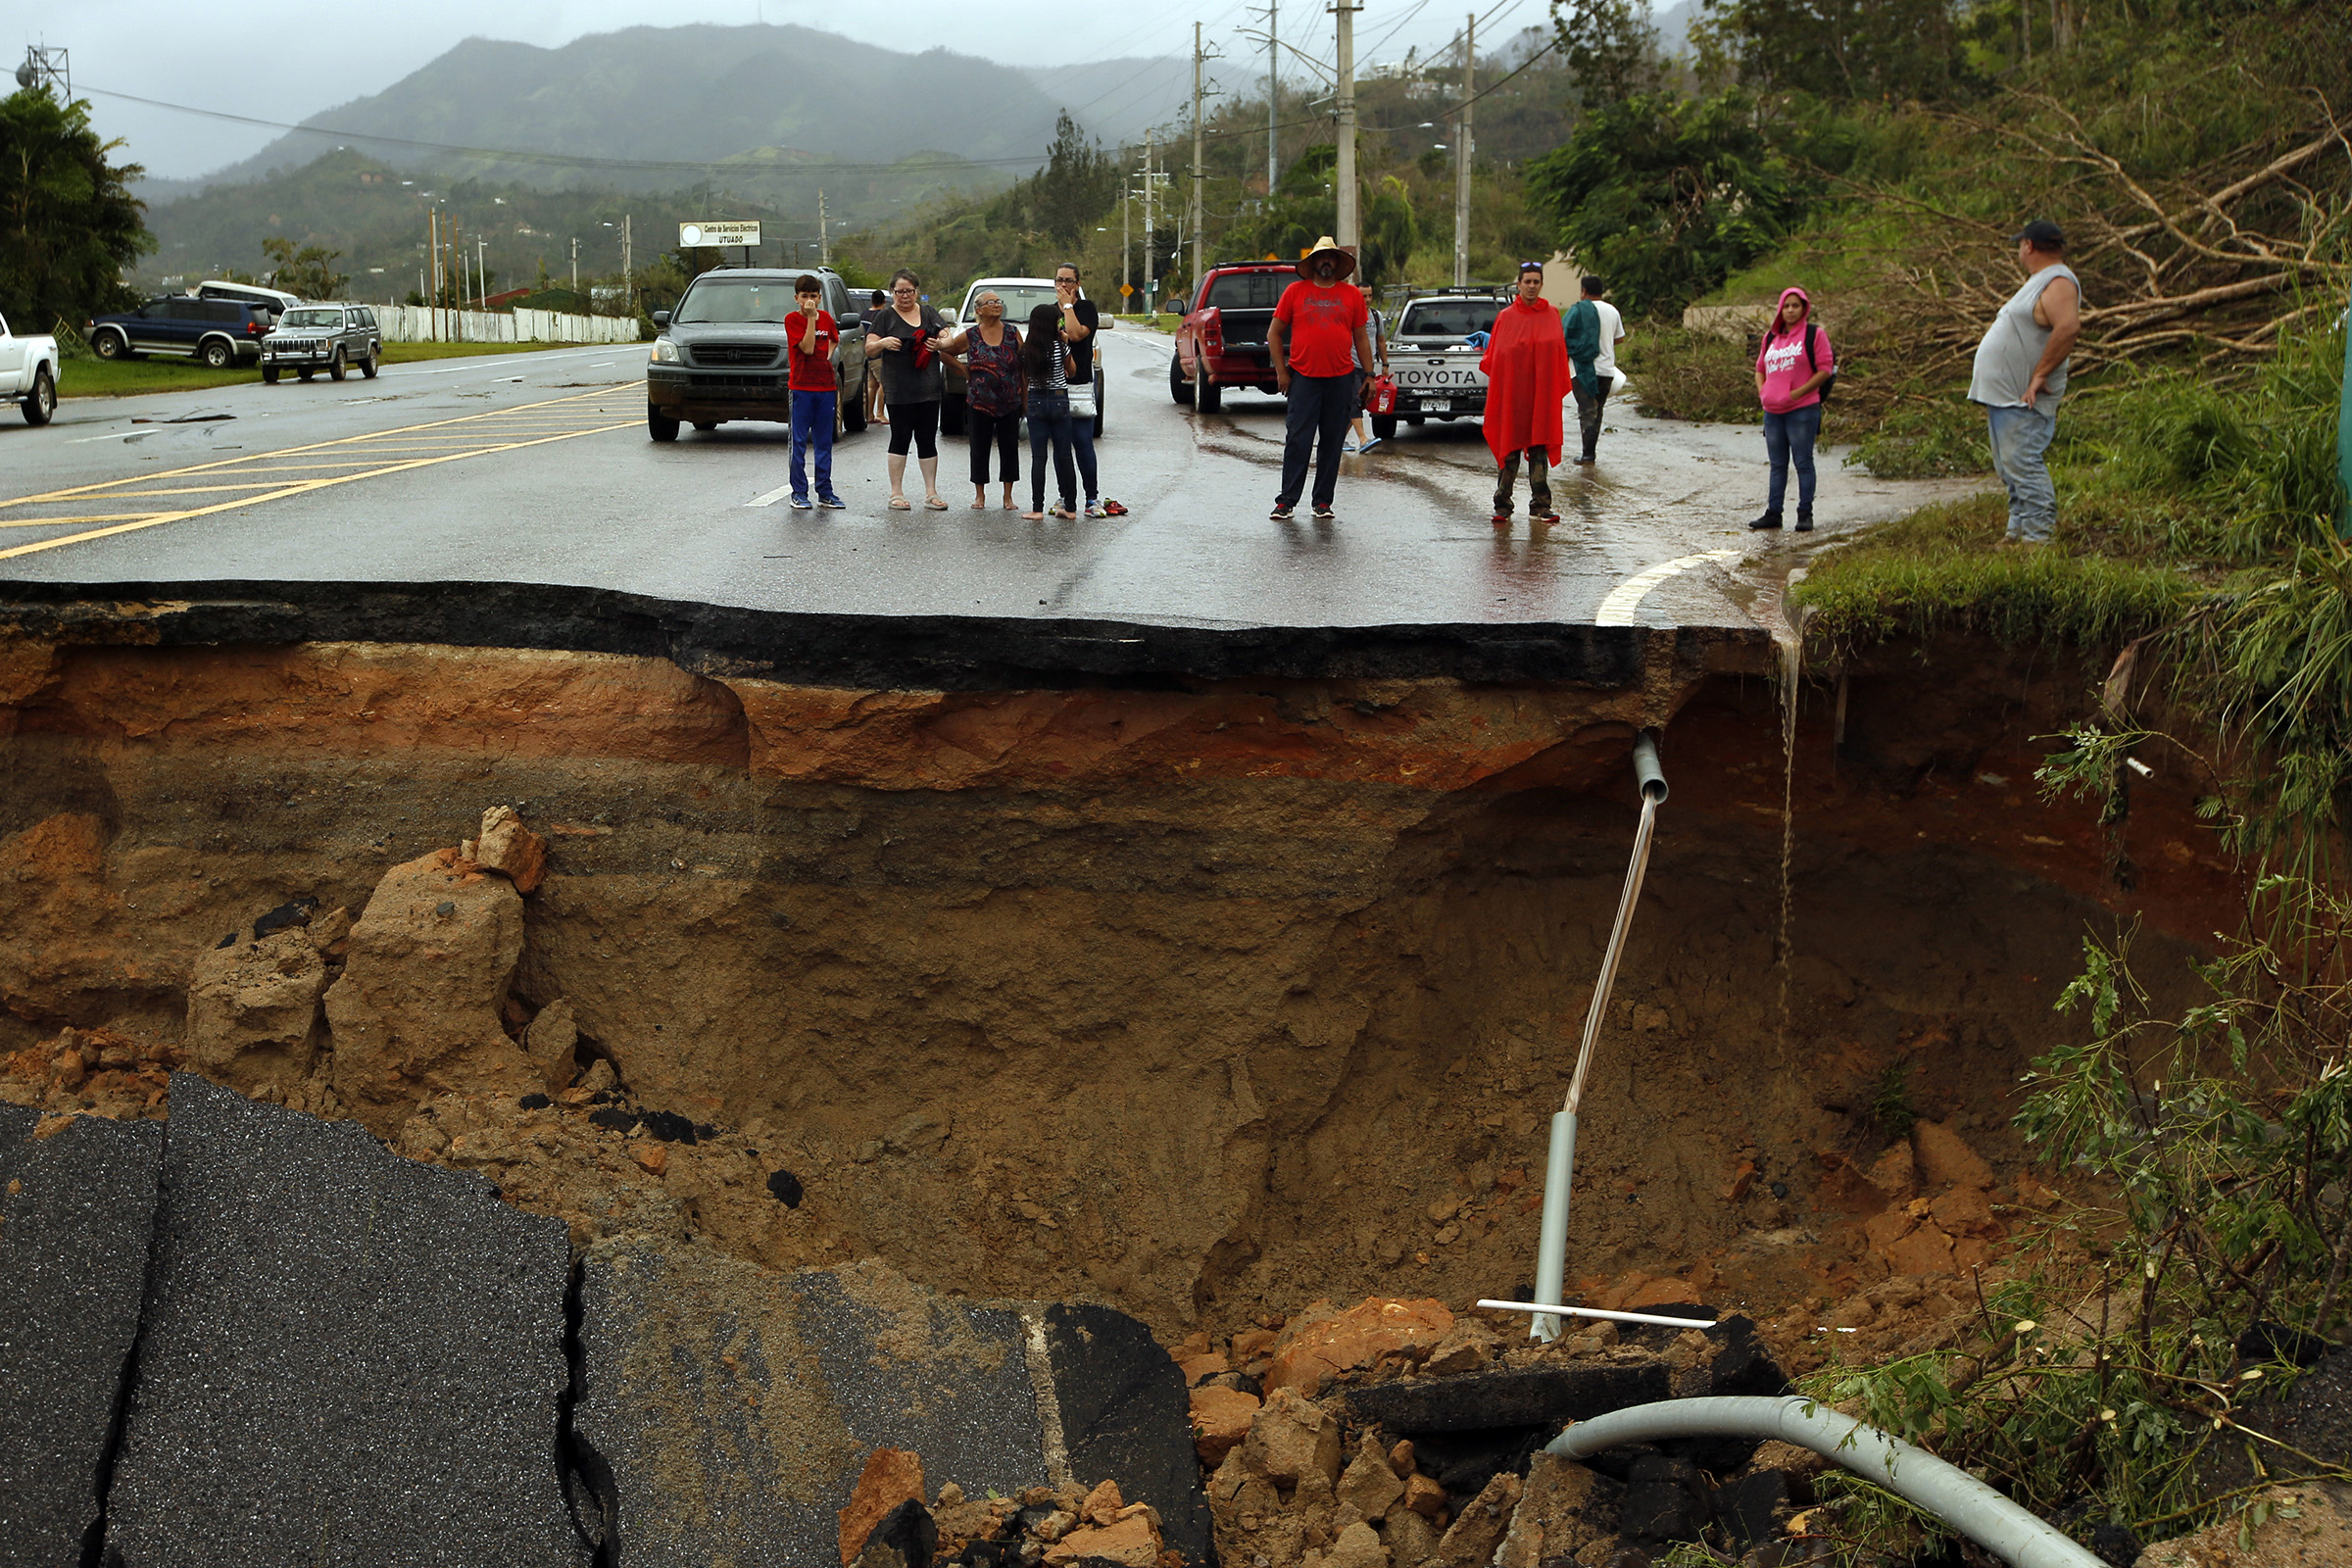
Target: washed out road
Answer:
[[537, 468]]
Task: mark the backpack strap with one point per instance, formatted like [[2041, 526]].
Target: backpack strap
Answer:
[[1810, 362]]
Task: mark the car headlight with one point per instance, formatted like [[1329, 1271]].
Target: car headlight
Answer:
[[665, 352]]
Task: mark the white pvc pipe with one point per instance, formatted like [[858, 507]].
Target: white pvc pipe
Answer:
[[1594, 1311], [1559, 1165], [2001, 1527]]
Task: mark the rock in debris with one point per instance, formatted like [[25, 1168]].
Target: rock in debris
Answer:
[[507, 847], [550, 1042], [1369, 1487], [1564, 1506], [417, 1010], [1471, 1540], [78, 1198], [348, 1360], [1129, 1541], [1469, 1347], [1319, 1344], [1945, 1159], [890, 1477], [1221, 1419], [1357, 1547], [252, 1012], [1292, 1438]]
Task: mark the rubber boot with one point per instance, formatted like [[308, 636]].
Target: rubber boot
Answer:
[[1804, 519], [1770, 519]]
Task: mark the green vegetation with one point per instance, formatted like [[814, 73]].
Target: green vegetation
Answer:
[[113, 378], [67, 220]]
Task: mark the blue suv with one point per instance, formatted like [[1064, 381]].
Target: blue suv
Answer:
[[218, 332]]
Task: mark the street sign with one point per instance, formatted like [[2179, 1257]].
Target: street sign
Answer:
[[1126, 289], [718, 233]]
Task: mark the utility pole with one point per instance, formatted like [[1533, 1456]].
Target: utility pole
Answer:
[[1151, 179], [481, 271], [629, 266], [1343, 176], [1200, 254], [1461, 158], [1126, 244], [825, 234], [576, 264], [1273, 96]]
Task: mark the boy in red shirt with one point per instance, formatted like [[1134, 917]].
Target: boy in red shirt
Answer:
[[815, 387], [1320, 350]]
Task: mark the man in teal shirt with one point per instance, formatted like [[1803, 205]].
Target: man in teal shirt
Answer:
[[1583, 327]]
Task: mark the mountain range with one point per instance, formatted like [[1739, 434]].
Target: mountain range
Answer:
[[665, 107]]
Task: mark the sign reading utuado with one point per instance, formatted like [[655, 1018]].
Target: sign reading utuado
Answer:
[[718, 233]]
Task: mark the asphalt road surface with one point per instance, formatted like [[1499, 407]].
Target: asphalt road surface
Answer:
[[536, 467]]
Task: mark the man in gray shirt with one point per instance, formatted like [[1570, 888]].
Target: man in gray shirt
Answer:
[[2020, 374]]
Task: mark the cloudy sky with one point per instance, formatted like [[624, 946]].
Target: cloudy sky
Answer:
[[247, 57]]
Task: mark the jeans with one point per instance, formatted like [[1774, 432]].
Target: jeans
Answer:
[[1538, 482], [1320, 410], [1789, 437], [2020, 437], [812, 426], [1082, 444], [1049, 422], [1589, 405], [1001, 432]]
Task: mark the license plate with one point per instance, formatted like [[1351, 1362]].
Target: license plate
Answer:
[[1438, 376]]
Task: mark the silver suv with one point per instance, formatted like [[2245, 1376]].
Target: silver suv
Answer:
[[309, 338], [1435, 366]]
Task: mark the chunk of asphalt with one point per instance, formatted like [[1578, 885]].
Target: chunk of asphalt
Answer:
[[735, 1406], [347, 1359], [1125, 1415], [77, 1215], [1516, 1397], [785, 1188]]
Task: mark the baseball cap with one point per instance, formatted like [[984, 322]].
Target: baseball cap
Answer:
[[2044, 234]]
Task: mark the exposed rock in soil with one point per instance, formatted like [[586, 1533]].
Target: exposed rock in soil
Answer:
[[2308, 1525]]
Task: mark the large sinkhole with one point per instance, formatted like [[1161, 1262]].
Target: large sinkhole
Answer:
[[1200, 997]]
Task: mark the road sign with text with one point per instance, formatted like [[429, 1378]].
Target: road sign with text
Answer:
[[692, 235]]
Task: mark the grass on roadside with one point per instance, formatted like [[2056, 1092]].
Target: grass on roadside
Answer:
[[111, 378]]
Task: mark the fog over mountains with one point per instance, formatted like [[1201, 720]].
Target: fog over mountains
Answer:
[[647, 107]]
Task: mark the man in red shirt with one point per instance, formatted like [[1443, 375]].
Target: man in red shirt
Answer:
[[815, 387], [1320, 350]]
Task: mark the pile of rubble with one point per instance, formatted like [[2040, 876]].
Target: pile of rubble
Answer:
[[1398, 1434]]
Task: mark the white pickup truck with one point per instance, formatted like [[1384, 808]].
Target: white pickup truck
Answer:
[[28, 373]]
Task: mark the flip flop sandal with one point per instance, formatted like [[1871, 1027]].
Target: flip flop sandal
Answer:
[[934, 504], [1112, 508], [901, 504]]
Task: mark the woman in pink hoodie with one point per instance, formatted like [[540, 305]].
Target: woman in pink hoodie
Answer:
[[1791, 367]]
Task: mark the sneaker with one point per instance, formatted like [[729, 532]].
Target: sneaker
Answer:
[[1094, 509], [1547, 516], [1323, 512], [801, 504], [832, 503], [1500, 520], [1281, 512]]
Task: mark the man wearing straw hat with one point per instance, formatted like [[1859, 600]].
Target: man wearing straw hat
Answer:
[[1317, 340]]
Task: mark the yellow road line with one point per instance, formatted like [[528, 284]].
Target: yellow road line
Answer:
[[204, 489], [300, 487], [74, 491], [106, 517]]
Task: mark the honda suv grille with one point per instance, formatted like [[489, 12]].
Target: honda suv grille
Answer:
[[746, 354]]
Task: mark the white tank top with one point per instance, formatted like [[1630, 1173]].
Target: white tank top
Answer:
[[2012, 346]]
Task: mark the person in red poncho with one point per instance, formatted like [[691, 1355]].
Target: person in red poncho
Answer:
[[1525, 366]]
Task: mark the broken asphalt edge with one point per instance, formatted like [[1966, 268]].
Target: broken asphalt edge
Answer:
[[947, 653]]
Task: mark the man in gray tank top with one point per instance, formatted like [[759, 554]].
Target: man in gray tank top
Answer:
[[2021, 372]]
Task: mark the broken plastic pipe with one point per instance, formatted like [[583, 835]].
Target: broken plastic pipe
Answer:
[[2001, 1527], [1560, 1164], [1594, 1311]]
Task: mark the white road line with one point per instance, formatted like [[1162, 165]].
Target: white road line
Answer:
[[1620, 607], [119, 435], [781, 493]]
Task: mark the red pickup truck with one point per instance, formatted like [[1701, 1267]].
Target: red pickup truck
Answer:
[[1222, 340]]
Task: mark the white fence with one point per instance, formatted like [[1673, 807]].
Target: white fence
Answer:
[[419, 323]]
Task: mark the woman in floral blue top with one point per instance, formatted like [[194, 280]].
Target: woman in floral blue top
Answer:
[[995, 389]]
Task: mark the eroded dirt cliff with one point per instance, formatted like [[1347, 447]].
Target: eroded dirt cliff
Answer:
[[1204, 997]]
